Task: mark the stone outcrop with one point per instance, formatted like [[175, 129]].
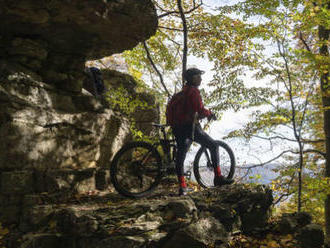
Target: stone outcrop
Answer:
[[55, 137], [55, 141], [52, 141], [43, 127], [308, 235], [202, 219], [53, 39]]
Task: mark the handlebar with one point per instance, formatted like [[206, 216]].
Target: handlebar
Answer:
[[158, 125]]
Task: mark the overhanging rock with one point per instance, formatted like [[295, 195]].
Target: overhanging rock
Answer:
[[55, 38]]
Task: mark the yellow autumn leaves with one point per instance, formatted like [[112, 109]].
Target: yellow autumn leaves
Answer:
[[270, 241], [3, 232]]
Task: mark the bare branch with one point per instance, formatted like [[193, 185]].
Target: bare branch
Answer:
[[274, 137], [287, 194], [155, 68], [168, 37], [291, 140], [267, 162], [304, 42], [173, 29], [315, 151], [305, 109], [281, 197], [280, 155], [178, 12], [313, 141]]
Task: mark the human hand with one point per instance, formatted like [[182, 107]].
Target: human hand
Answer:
[[212, 117]]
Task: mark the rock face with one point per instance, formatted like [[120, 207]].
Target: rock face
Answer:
[[56, 141], [55, 138], [53, 39], [52, 141], [47, 128], [202, 219]]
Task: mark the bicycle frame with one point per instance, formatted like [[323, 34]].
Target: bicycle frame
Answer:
[[168, 147]]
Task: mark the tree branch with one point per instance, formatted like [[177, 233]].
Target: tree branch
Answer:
[[278, 156], [288, 189], [264, 163], [274, 137], [173, 29], [304, 42], [168, 37], [155, 68], [291, 140], [315, 151], [177, 12]]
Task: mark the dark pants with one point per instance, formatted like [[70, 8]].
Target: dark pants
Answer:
[[183, 137]]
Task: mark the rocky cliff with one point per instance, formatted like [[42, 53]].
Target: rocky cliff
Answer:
[[54, 136], [53, 39], [202, 219], [233, 216]]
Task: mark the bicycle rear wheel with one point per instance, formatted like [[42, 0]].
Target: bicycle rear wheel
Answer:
[[203, 169], [136, 169]]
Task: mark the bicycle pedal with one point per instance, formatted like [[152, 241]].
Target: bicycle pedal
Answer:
[[188, 175]]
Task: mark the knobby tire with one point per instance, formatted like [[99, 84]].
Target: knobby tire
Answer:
[[203, 169], [136, 164]]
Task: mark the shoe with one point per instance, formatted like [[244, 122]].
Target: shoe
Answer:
[[221, 180], [185, 191]]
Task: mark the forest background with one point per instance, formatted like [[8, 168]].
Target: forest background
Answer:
[[267, 59]]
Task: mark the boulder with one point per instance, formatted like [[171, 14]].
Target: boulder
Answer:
[[290, 223], [237, 206], [55, 38], [311, 236], [206, 232], [44, 128]]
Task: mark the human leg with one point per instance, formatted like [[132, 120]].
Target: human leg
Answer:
[[183, 141], [204, 139]]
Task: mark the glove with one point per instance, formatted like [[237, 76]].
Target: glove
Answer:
[[212, 117]]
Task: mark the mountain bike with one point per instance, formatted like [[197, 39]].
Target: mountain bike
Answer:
[[138, 167]]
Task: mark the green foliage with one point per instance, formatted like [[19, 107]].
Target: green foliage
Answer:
[[127, 103], [275, 40], [292, 70]]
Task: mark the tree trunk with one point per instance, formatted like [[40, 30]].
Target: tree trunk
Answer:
[[325, 87], [185, 40]]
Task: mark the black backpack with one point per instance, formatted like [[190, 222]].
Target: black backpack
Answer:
[[94, 83]]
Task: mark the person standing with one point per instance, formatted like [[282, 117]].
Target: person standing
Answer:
[[186, 129]]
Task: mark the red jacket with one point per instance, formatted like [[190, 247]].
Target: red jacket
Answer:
[[193, 104]]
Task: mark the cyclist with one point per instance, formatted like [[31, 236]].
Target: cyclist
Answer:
[[186, 130]]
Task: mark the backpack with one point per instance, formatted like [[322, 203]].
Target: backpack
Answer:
[[176, 108], [94, 84], [98, 80]]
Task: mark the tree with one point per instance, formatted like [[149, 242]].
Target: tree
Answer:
[[310, 23], [286, 118], [189, 25]]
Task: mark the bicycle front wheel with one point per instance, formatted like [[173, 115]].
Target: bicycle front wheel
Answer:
[[136, 169], [203, 168]]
